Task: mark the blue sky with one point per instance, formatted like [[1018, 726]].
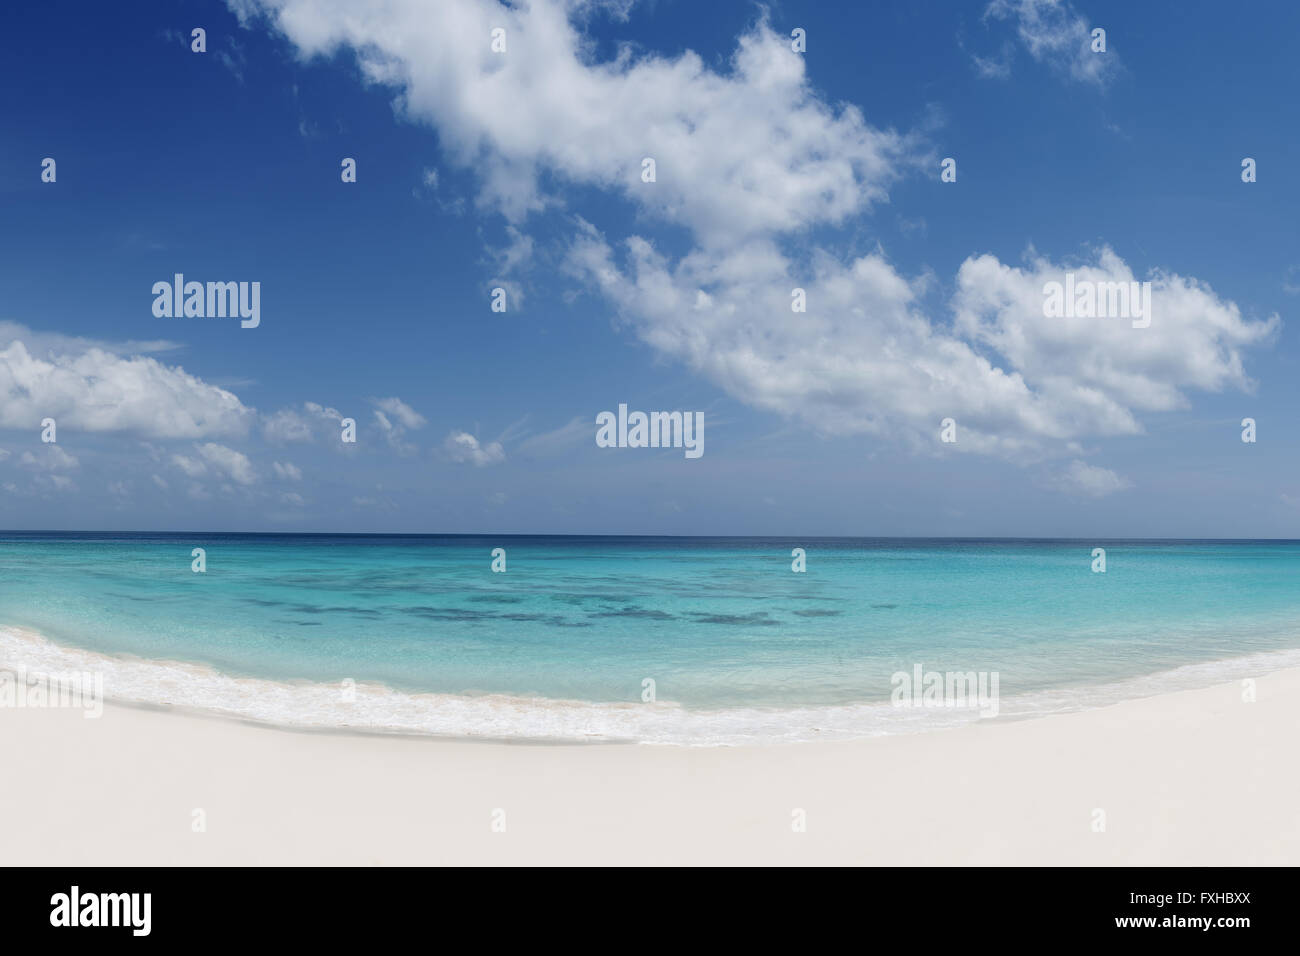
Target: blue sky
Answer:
[[775, 169]]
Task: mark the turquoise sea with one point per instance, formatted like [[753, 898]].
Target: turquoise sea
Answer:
[[739, 647]]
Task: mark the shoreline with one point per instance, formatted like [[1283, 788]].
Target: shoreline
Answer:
[[1169, 772], [373, 709]]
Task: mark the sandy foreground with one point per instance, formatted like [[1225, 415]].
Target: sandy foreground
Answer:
[[1195, 777]]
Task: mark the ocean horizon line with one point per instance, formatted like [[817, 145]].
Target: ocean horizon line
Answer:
[[647, 536]]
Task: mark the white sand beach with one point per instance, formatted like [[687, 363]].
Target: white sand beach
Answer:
[[1185, 778]]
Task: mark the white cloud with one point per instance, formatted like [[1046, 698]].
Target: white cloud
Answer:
[[866, 358], [287, 470], [39, 343], [405, 415], [1082, 478], [229, 462], [232, 59], [512, 259], [394, 417], [93, 389], [160, 481], [57, 482], [332, 415], [753, 149], [285, 426], [50, 458], [191, 466], [560, 440], [992, 68], [289, 425], [747, 158], [380, 501], [1095, 373], [1291, 280], [1055, 33], [465, 448]]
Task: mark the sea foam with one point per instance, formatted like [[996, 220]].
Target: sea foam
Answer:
[[368, 707]]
